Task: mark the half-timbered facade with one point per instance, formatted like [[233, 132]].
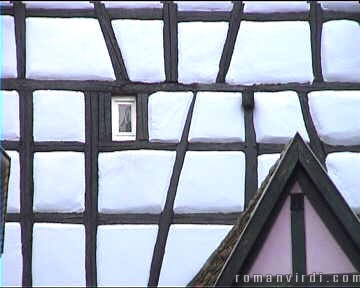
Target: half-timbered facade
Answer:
[[139, 131]]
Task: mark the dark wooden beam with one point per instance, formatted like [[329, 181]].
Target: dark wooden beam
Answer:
[[184, 16], [128, 218], [222, 16], [26, 183], [298, 245], [111, 42], [316, 29], [66, 218], [60, 13], [142, 129], [251, 173], [170, 41], [91, 185], [48, 146], [7, 11], [105, 128], [341, 148], [234, 24], [135, 145], [11, 145], [20, 38], [203, 16], [276, 16], [206, 218], [138, 14], [108, 146], [203, 146], [13, 217], [137, 87], [167, 214], [269, 148], [315, 141], [340, 15]]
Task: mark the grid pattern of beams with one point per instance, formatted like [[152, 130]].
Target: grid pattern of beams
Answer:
[[98, 118]]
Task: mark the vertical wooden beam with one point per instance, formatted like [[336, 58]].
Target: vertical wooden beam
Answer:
[[142, 131], [234, 24], [105, 120], [26, 153], [316, 29], [20, 38], [170, 38], [26, 183], [298, 234], [91, 186], [102, 124], [251, 174], [168, 213], [111, 42]]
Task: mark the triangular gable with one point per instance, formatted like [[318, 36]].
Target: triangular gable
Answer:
[[297, 164]]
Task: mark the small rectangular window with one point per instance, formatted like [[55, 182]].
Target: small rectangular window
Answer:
[[123, 111]]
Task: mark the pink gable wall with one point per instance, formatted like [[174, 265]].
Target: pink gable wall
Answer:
[[275, 255], [323, 253]]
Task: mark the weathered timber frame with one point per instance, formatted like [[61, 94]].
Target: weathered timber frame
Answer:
[[98, 118]]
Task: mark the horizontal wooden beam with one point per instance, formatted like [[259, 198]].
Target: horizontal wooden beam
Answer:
[[109, 146], [184, 16], [137, 87]]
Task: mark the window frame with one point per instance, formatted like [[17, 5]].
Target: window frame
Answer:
[[115, 134]]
